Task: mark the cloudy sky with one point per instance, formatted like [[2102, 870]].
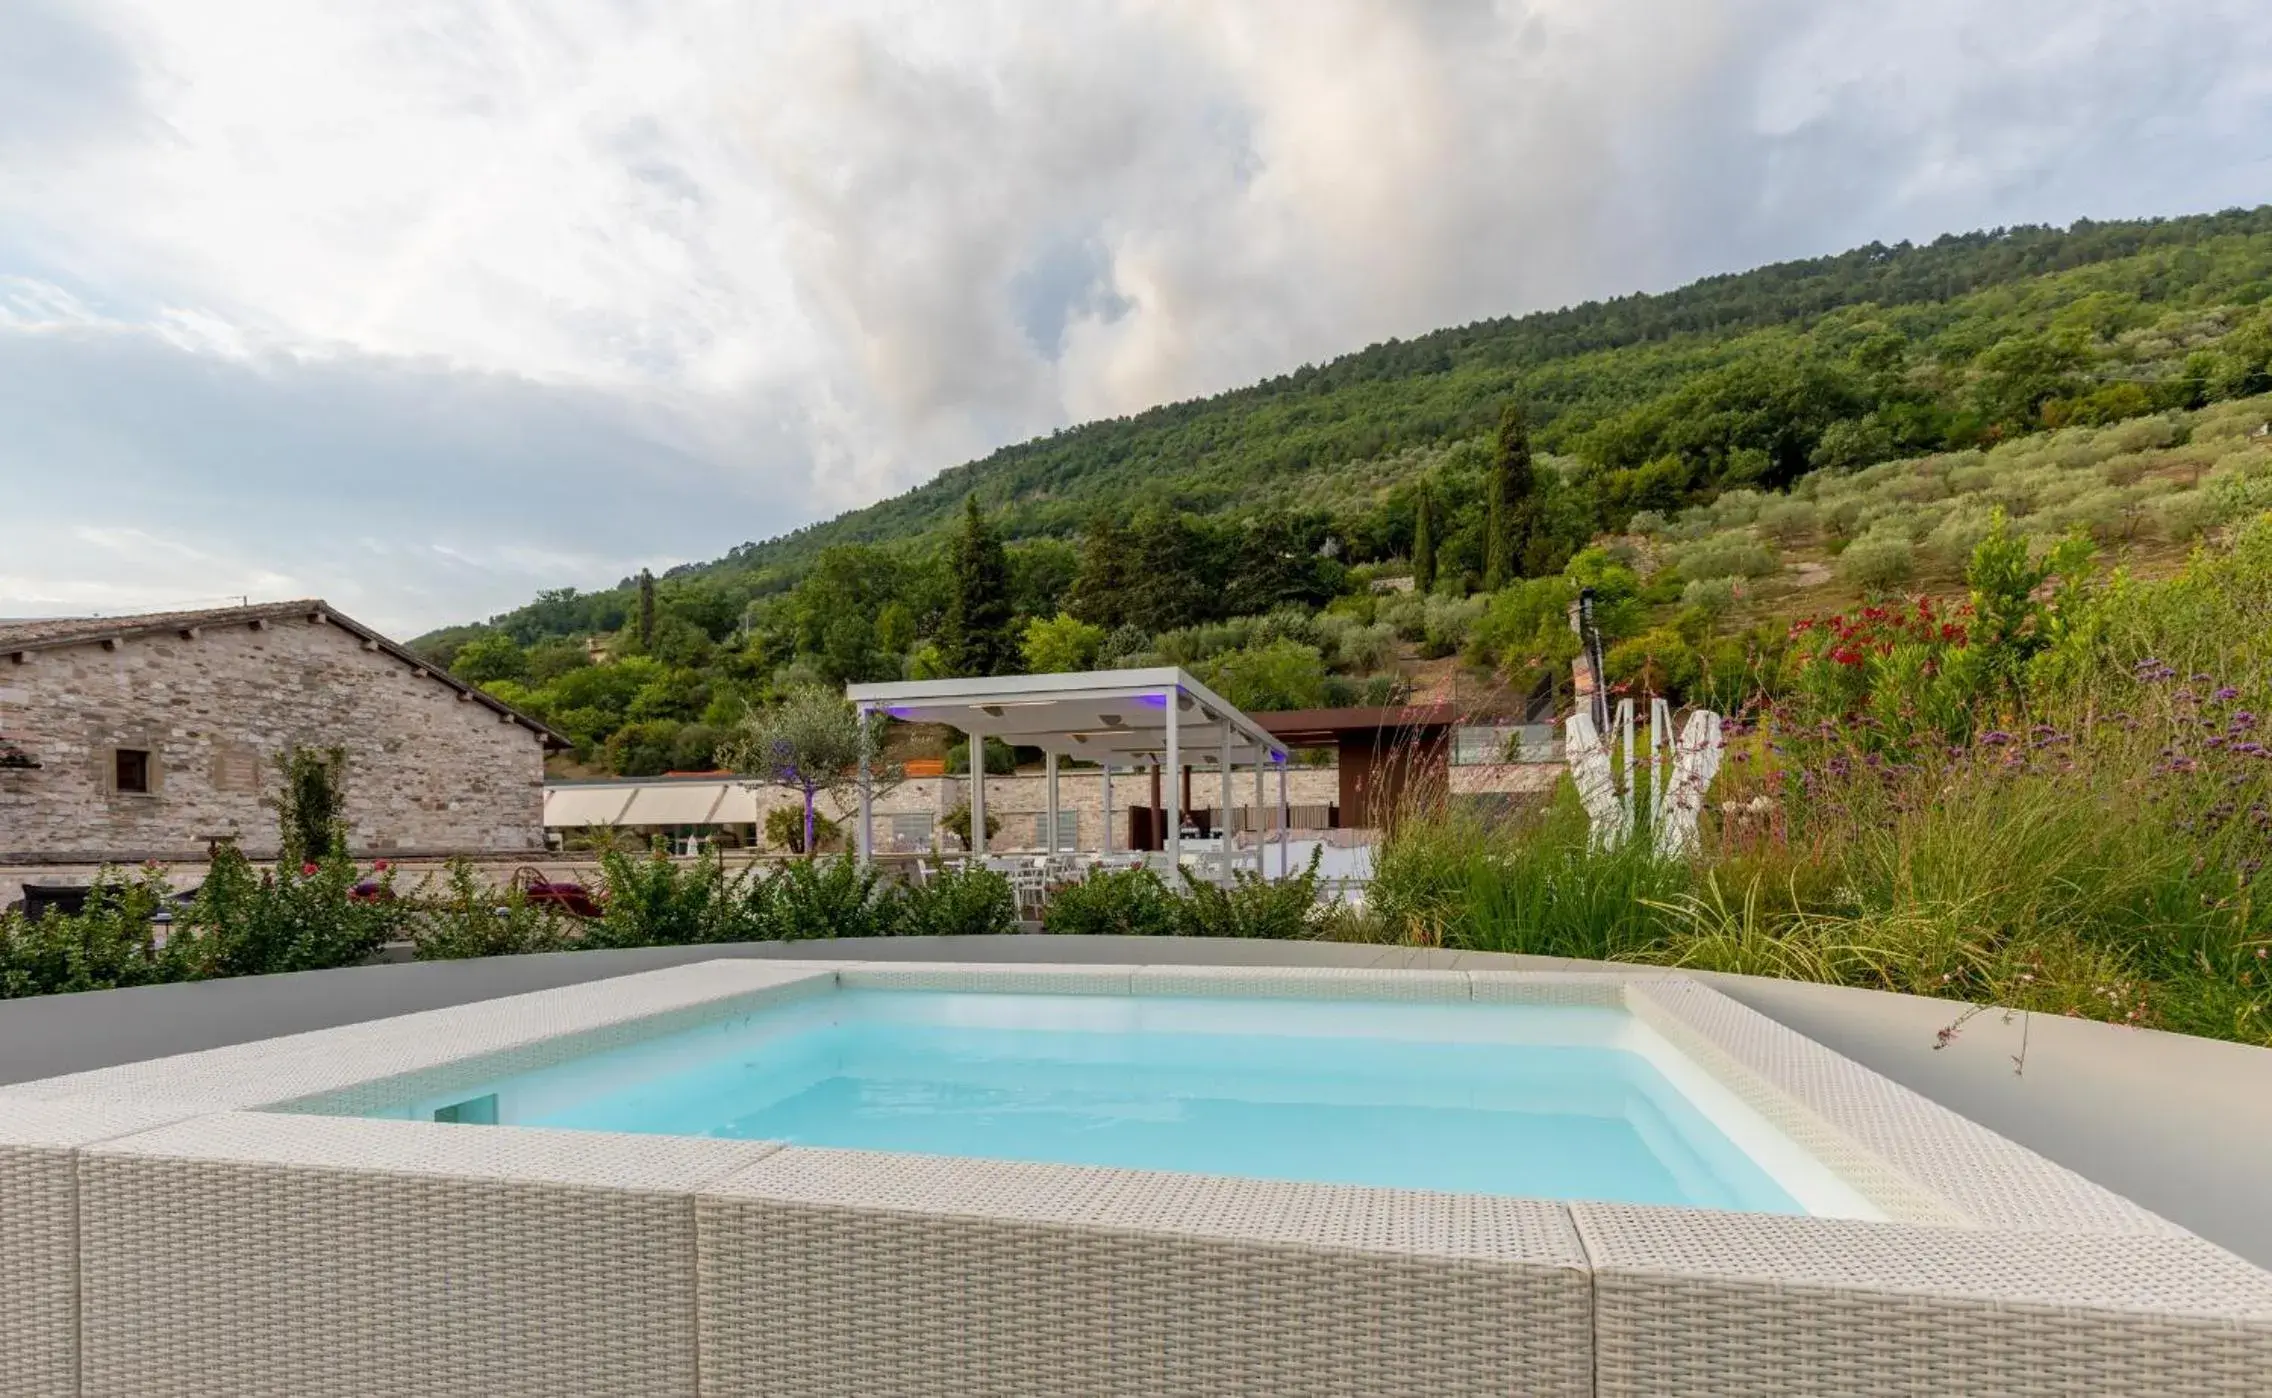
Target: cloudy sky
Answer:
[[423, 305]]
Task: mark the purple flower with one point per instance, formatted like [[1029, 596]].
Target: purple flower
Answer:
[[2242, 718], [2204, 679], [1995, 738], [2228, 692]]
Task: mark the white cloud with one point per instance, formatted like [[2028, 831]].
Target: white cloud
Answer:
[[432, 303]]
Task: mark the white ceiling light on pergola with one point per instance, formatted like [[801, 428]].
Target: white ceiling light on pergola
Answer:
[[1116, 716]]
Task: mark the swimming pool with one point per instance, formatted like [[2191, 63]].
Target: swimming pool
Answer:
[[636, 1221], [1530, 1100]]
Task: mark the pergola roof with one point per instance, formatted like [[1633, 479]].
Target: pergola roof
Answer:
[[1120, 716], [1322, 727]]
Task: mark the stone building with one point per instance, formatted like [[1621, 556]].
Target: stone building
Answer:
[[124, 739]]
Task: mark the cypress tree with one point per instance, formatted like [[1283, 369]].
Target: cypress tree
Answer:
[[1108, 567], [646, 609], [1513, 517], [1424, 543], [976, 637]]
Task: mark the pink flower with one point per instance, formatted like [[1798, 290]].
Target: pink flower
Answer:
[[380, 866], [308, 870]]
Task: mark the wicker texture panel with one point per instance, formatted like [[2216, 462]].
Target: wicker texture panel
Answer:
[[39, 1236], [251, 1255], [302, 1068], [1300, 982], [1010, 979], [1702, 1304], [1480, 1227], [1547, 988], [1916, 1158], [844, 1273]]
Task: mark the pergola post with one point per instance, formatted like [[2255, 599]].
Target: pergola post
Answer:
[[978, 795], [1049, 767], [867, 797], [1261, 821], [1106, 846], [1223, 815], [1173, 815], [1285, 822]]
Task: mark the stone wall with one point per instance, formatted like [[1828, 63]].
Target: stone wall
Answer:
[[427, 770]]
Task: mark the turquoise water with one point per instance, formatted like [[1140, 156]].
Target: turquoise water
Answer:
[[1540, 1101]]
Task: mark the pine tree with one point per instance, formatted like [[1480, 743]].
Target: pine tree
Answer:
[[976, 636], [1108, 567], [1424, 543], [1514, 513]]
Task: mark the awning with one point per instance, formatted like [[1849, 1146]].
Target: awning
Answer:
[[687, 803], [571, 807]]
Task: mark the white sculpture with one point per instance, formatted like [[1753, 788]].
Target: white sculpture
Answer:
[[1695, 761], [1607, 804], [1675, 799]]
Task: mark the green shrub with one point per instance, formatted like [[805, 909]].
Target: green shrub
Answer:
[[958, 903], [1001, 758], [1726, 555], [1112, 903], [1252, 906], [471, 918], [1446, 622], [110, 943], [301, 918], [1787, 520], [1352, 645], [1282, 674], [1877, 562], [655, 901], [813, 898], [1658, 661], [1714, 597]]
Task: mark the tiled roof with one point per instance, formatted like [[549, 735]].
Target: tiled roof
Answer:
[[23, 637], [67, 630]]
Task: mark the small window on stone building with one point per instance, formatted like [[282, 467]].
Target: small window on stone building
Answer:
[[132, 772]]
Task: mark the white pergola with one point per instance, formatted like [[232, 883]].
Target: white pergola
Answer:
[[1126, 720]]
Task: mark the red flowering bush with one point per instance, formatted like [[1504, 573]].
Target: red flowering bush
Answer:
[[1900, 681], [1886, 680]]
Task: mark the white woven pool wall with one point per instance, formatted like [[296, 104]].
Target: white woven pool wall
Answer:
[[161, 1234]]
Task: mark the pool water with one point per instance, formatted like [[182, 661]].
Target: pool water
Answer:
[[1554, 1102]]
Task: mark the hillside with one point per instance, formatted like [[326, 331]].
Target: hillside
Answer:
[[1778, 405]]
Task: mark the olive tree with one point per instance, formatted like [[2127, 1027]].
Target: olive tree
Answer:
[[811, 742]]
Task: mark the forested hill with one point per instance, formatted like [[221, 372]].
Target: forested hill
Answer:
[[1727, 450], [1219, 451], [1612, 372]]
